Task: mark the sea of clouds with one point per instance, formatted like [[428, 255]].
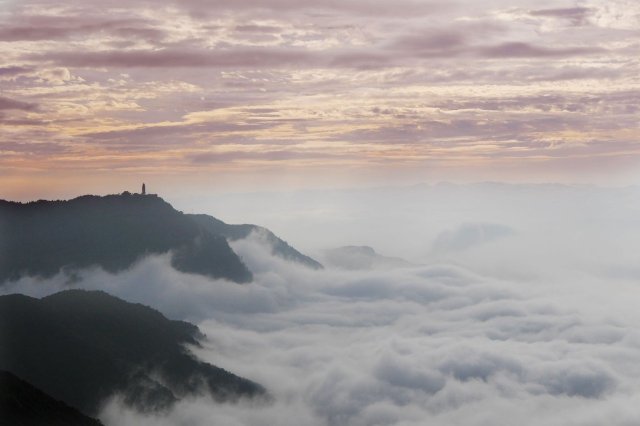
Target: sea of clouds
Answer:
[[527, 316]]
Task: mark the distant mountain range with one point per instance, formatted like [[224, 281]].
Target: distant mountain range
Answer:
[[83, 347], [42, 238], [361, 257]]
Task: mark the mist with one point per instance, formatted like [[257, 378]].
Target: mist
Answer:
[[520, 304], [406, 221]]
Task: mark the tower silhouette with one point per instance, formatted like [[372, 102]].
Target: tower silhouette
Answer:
[[144, 190]]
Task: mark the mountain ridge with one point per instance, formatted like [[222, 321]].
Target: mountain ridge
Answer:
[[42, 238], [83, 347], [361, 258], [234, 232]]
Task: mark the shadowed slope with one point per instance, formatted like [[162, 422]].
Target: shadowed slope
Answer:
[[41, 238], [279, 247], [84, 346], [23, 404]]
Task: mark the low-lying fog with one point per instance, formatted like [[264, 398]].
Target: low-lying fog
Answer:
[[520, 306]]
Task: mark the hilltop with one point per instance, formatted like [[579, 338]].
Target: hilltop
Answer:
[[42, 238]]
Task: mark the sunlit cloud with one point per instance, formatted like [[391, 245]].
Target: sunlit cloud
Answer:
[[282, 81]]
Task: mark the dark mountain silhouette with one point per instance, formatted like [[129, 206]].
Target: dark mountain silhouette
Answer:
[[361, 257], [40, 238], [24, 405], [82, 347], [279, 247]]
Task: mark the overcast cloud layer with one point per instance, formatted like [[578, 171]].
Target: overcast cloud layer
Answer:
[[529, 318], [314, 93]]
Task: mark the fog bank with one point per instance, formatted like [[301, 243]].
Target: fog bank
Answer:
[[522, 307]]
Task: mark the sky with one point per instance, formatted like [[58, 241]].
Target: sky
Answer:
[[200, 96], [336, 122]]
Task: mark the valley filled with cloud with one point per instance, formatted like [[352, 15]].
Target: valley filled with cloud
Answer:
[[493, 321]]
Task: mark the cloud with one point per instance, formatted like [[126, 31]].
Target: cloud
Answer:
[[102, 73], [453, 41], [12, 104], [528, 50], [616, 14], [14, 70], [576, 15], [253, 28], [265, 57], [360, 257], [360, 59], [432, 41], [445, 44], [34, 149], [469, 235], [357, 7], [169, 133], [585, 380], [275, 155], [31, 33], [38, 27], [442, 343], [394, 371]]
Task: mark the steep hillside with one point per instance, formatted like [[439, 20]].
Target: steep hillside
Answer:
[[41, 238], [24, 405], [278, 246], [81, 347]]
